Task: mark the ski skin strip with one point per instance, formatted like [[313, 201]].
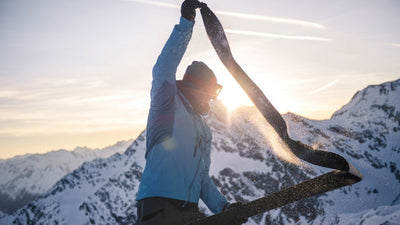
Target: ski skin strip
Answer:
[[326, 182], [344, 173], [218, 39]]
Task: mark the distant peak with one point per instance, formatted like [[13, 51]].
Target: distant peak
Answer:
[[379, 95]]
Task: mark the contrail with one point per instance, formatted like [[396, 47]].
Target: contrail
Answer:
[[242, 15], [272, 19], [394, 45], [324, 87], [276, 36]]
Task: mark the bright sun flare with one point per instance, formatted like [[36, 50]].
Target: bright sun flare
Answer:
[[233, 97]]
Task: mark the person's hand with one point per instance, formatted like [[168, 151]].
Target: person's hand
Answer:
[[188, 9], [238, 207]]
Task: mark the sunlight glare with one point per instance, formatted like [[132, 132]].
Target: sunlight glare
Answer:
[[233, 96]]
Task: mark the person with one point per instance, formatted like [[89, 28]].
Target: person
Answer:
[[178, 140]]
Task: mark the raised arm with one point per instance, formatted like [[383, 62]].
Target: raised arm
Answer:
[[163, 90], [172, 53]]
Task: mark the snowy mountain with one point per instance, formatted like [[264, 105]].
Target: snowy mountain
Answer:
[[380, 215], [23, 178], [2, 214], [367, 132], [249, 162], [101, 191]]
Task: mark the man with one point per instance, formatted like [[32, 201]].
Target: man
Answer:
[[178, 142]]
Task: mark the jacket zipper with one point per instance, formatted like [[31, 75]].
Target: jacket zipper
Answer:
[[191, 184], [197, 143]]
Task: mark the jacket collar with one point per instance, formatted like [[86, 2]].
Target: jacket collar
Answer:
[[185, 102]]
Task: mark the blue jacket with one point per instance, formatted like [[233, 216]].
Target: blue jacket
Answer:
[[178, 142]]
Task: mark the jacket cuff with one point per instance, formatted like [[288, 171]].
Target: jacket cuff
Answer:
[[185, 24], [222, 206], [226, 206]]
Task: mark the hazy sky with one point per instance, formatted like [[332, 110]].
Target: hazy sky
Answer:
[[78, 72]]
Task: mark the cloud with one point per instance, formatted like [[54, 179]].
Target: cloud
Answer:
[[324, 87], [276, 36], [272, 19], [243, 15], [43, 106]]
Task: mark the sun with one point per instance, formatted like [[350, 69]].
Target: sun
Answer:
[[233, 96]]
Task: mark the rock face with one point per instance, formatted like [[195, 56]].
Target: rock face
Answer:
[[367, 132], [249, 162]]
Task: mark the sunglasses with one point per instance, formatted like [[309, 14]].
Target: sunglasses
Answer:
[[217, 89], [211, 88]]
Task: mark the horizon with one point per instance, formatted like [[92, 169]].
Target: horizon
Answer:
[[135, 138], [78, 73]]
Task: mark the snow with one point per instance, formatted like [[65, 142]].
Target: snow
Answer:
[[34, 174], [52, 166], [230, 160], [389, 215], [2, 214]]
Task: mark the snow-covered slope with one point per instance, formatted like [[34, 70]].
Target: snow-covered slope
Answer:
[[2, 214], [98, 192], [24, 178], [245, 166], [366, 132], [389, 215]]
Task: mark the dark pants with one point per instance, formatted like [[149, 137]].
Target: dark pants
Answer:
[[166, 211]]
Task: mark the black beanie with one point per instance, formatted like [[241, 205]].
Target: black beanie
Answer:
[[200, 71]]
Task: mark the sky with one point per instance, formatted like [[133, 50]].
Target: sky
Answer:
[[78, 72]]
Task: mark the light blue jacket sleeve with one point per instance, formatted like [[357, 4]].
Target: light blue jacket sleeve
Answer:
[[163, 90], [172, 53], [211, 195]]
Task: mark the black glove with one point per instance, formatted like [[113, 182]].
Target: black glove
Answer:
[[188, 9], [238, 207]]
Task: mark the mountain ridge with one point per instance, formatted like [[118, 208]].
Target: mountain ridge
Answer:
[[248, 163], [20, 174]]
